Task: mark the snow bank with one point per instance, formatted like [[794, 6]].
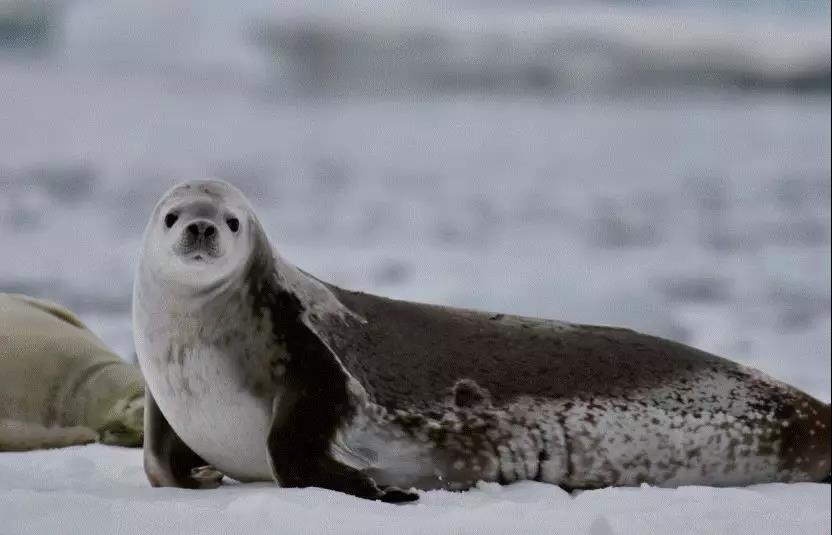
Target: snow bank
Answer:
[[102, 490]]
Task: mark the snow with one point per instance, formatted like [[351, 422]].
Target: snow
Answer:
[[98, 489]]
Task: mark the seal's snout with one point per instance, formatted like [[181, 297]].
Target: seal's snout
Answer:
[[200, 239], [201, 230]]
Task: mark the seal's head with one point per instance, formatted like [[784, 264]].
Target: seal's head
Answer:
[[201, 233], [124, 423]]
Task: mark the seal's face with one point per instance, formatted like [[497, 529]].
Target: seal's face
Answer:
[[124, 425], [200, 234]]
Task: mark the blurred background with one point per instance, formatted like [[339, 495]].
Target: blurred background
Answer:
[[658, 164]]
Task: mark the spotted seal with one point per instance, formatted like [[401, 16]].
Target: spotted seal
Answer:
[[59, 384], [260, 371]]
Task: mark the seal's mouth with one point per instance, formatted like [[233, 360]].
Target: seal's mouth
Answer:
[[201, 255], [199, 250]]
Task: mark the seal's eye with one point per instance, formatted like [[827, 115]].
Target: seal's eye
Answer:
[[170, 219], [233, 223]]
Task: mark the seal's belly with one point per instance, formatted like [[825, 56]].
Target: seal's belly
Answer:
[[207, 405]]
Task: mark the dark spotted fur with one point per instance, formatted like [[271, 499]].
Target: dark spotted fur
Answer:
[[407, 352], [510, 397]]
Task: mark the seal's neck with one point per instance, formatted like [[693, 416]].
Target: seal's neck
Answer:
[[263, 275], [267, 271], [316, 300]]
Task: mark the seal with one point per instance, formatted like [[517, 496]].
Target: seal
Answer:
[[59, 384], [260, 371]]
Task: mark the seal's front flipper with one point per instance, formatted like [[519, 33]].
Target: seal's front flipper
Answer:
[[169, 462], [208, 476], [336, 476], [299, 453], [398, 495], [329, 474], [23, 436]]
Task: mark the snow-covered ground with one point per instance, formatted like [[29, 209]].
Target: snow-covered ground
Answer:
[[698, 215], [93, 490], [704, 220]]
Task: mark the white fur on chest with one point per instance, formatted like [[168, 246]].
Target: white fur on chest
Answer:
[[205, 402]]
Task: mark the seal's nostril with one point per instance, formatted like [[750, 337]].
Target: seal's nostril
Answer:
[[201, 229]]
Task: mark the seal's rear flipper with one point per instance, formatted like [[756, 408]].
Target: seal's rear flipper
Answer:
[[23, 436]]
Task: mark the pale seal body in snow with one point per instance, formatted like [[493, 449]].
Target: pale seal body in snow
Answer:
[[59, 384], [267, 373]]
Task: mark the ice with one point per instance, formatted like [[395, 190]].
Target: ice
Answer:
[[98, 489]]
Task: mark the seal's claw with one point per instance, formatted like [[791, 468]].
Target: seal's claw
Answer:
[[207, 476], [397, 495]]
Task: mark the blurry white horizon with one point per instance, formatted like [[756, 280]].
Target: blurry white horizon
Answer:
[[393, 48], [660, 165]]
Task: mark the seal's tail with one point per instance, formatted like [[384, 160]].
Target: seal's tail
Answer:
[[807, 437], [827, 443]]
